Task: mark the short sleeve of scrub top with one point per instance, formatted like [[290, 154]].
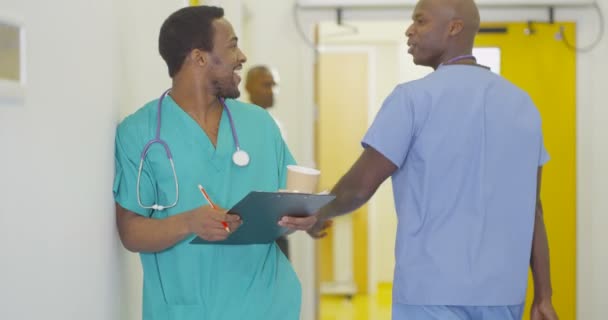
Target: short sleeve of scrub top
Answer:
[[392, 131], [125, 178]]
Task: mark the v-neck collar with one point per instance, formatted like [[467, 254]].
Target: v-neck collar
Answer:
[[217, 154]]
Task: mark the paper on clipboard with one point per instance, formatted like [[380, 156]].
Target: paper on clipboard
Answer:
[[261, 211]]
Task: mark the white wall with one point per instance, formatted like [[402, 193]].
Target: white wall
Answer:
[[592, 170], [144, 73], [57, 235]]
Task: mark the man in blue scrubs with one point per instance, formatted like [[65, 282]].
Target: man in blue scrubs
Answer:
[[184, 281], [464, 148]]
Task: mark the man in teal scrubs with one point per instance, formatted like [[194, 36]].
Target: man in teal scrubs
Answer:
[[184, 281]]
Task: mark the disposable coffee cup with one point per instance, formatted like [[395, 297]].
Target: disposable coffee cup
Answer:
[[302, 179]]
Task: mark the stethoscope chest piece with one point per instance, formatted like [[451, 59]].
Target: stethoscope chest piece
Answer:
[[240, 158]]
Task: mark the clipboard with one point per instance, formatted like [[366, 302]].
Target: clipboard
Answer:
[[260, 212]]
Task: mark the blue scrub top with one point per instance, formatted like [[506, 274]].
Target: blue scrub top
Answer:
[[216, 282], [467, 144]]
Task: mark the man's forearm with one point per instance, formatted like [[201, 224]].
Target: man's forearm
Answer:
[[349, 198], [141, 234], [359, 183], [539, 261]]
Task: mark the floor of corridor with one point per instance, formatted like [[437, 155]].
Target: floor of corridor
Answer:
[[360, 307]]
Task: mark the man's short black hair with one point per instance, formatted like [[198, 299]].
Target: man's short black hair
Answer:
[[185, 30]]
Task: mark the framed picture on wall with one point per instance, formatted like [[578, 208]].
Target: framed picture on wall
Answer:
[[12, 59]]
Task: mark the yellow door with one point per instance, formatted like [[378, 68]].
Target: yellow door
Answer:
[[342, 98], [542, 65]]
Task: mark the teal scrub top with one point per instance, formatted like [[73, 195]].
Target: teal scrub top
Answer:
[[216, 282]]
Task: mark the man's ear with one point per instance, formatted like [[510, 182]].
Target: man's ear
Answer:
[[456, 26], [199, 57]]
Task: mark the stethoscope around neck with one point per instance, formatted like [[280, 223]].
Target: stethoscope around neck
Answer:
[[239, 157]]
